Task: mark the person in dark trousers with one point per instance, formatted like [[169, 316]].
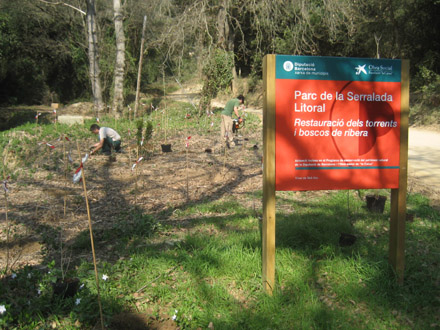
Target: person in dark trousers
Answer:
[[226, 126], [108, 139]]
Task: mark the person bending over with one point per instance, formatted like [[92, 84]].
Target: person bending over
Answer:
[[108, 139], [226, 126]]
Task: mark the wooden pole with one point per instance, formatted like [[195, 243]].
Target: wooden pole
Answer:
[[65, 174], [165, 104], [129, 148], [224, 159], [6, 215], [398, 196], [268, 244], [136, 182], [64, 205], [83, 175], [141, 55], [187, 171]]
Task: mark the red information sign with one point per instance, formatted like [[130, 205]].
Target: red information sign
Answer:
[[337, 123]]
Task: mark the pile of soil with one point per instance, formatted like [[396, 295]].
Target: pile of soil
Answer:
[[80, 108]]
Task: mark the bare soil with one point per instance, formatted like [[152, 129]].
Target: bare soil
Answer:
[[163, 182], [159, 185]]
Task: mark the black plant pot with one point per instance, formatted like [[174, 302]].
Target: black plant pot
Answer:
[[347, 239], [66, 288], [376, 203], [166, 147]]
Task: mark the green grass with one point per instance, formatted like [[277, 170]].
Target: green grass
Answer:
[[212, 273]]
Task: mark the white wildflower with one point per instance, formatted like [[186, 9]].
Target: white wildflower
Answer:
[[77, 301], [2, 309], [13, 275], [105, 277]]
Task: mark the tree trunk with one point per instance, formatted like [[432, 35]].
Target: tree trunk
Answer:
[[396, 37], [226, 38], [231, 36], [94, 57], [223, 26], [118, 98]]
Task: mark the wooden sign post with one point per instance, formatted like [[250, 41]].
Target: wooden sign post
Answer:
[[269, 173], [398, 196], [334, 123]]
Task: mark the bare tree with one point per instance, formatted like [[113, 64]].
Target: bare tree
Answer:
[[226, 36], [94, 57], [93, 53], [118, 98]]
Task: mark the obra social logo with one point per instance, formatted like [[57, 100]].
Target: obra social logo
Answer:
[[360, 69], [288, 66]]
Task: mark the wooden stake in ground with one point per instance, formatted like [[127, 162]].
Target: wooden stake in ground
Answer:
[[243, 128], [138, 85], [83, 176], [64, 204], [134, 168], [65, 173], [129, 148], [5, 188], [226, 148], [55, 118], [165, 105], [187, 168]]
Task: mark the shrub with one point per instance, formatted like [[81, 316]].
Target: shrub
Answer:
[[218, 75]]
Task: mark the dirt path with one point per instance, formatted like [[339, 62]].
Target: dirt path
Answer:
[[424, 158], [191, 94]]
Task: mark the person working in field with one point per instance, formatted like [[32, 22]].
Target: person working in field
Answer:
[[226, 126], [108, 139]]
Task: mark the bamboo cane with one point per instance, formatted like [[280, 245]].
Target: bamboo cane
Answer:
[[226, 148], [7, 218], [164, 104], [138, 84], [91, 238], [65, 173], [136, 184], [224, 161], [129, 148], [64, 204], [187, 173]]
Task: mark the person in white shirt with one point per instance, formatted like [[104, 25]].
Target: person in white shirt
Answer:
[[108, 139]]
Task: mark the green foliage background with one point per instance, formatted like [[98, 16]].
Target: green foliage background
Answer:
[[43, 48]]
